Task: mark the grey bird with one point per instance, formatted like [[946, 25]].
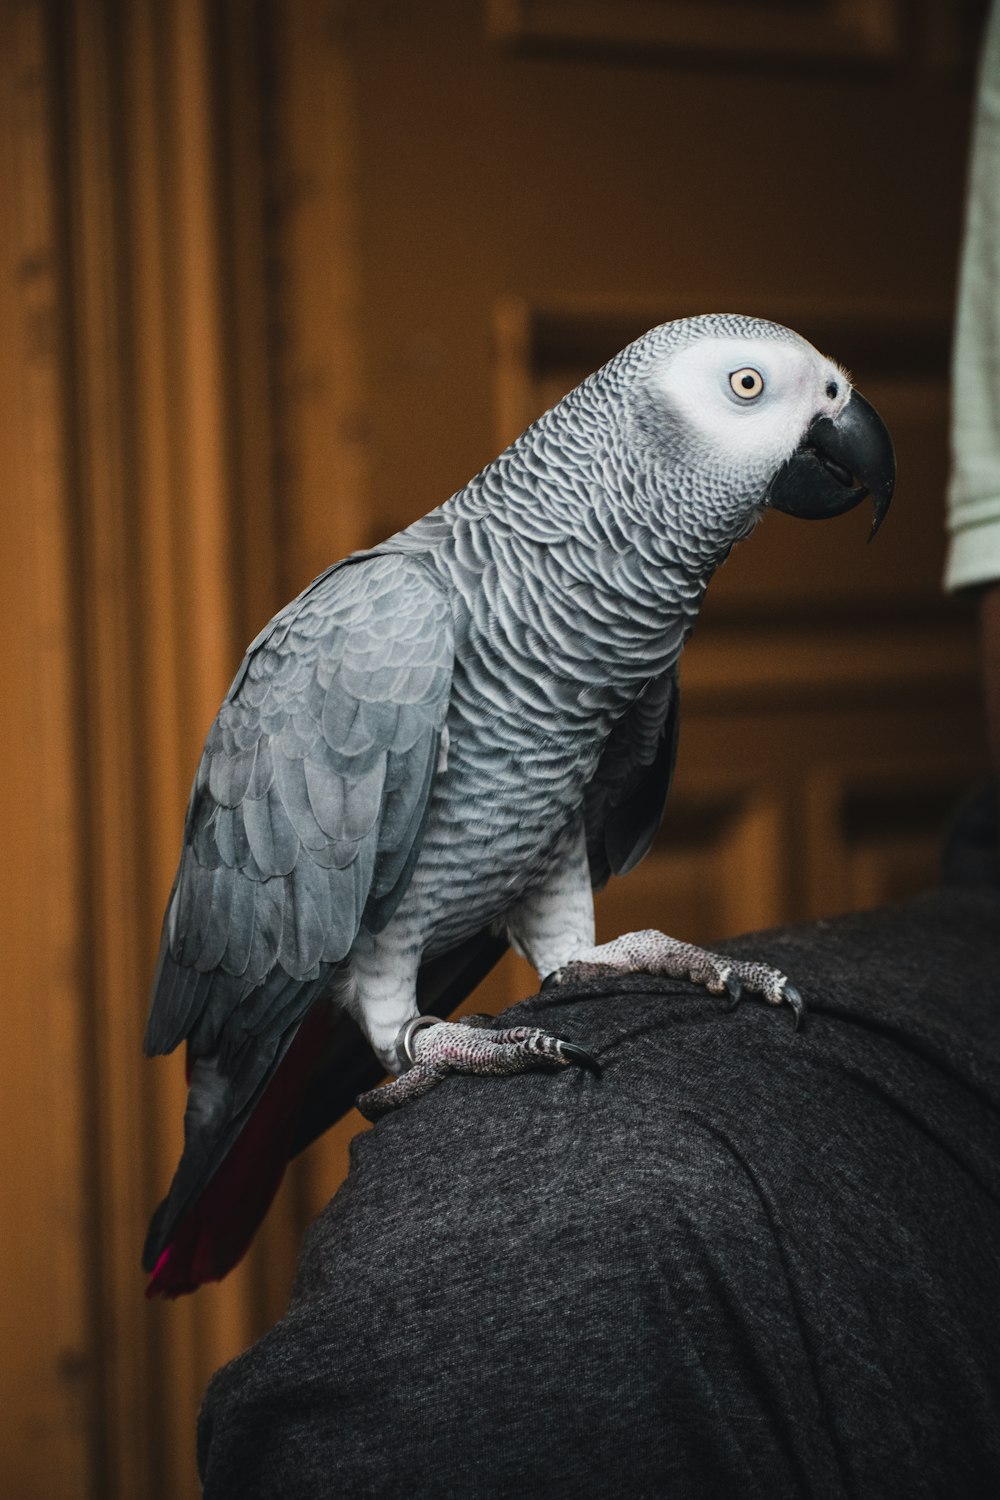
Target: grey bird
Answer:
[[446, 743]]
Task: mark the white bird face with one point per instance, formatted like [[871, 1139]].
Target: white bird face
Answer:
[[765, 419], [749, 401]]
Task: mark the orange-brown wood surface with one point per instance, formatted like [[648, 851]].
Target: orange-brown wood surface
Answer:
[[276, 278]]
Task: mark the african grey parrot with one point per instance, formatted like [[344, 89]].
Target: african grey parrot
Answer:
[[445, 743]]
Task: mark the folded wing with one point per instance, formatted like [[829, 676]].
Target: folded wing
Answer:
[[304, 822]]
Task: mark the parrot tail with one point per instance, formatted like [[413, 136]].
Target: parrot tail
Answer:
[[205, 1235]]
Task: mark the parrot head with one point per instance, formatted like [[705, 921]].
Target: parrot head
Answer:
[[764, 412]]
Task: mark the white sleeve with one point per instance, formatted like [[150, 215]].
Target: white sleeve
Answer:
[[974, 488]]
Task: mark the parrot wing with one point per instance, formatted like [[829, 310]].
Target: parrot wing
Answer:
[[624, 802], [305, 820]]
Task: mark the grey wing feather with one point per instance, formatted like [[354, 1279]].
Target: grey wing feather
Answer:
[[624, 802], [304, 821], [309, 802]]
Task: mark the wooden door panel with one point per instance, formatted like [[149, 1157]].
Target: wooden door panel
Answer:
[[854, 30]]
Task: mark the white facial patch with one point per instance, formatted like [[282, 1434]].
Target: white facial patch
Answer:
[[752, 399]]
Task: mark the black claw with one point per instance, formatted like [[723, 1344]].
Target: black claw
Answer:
[[551, 980], [734, 989], [579, 1055], [792, 997]]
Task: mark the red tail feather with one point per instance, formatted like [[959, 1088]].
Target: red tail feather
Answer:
[[215, 1233]]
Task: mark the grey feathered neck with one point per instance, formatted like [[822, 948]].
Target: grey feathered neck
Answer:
[[593, 496]]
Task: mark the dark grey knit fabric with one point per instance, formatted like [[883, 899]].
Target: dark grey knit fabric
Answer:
[[743, 1262]]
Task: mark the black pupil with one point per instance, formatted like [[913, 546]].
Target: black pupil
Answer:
[[748, 382], [831, 389]]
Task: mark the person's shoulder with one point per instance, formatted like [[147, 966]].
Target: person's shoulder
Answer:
[[600, 1249], [695, 1094]]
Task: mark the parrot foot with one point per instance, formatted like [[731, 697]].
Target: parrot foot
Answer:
[[434, 1048], [653, 952]]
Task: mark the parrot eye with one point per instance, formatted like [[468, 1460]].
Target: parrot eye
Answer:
[[746, 383]]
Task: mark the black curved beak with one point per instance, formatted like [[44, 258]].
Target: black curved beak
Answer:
[[838, 464]]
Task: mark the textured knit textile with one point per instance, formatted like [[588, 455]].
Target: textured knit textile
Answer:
[[974, 492], [743, 1262]]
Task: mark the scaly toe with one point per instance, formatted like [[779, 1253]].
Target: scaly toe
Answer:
[[413, 1084], [430, 1049], [651, 952]]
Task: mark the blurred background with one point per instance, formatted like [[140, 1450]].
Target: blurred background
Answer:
[[280, 275]]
